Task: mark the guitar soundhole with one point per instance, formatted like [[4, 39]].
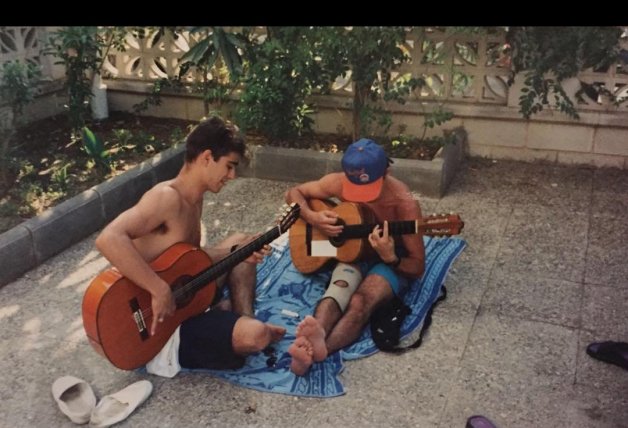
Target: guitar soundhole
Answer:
[[184, 294], [338, 241]]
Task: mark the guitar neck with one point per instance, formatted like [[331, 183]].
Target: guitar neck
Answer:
[[238, 256], [355, 231]]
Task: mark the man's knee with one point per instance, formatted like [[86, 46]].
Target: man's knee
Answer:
[[345, 279], [250, 336]]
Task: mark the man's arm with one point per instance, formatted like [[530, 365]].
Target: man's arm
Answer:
[[115, 243], [328, 186], [384, 243], [414, 263]]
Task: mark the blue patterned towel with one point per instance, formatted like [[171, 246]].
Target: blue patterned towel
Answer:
[[283, 291]]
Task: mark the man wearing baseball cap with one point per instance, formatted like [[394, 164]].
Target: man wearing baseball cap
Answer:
[[356, 290]]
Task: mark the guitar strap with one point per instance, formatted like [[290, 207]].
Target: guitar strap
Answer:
[[386, 325], [427, 323]]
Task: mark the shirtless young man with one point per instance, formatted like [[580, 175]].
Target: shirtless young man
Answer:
[[356, 290], [169, 213]]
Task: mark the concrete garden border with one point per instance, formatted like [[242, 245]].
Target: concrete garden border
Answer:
[[31, 243], [431, 178]]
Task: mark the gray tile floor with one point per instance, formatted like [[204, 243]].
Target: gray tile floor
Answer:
[[545, 273]]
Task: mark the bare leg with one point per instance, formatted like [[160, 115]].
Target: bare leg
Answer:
[[301, 351], [311, 329], [242, 278], [373, 291], [327, 313], [251, 335], [242, 281]]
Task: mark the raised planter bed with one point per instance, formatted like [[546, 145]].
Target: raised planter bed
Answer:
[[430, 178], [32, 242]]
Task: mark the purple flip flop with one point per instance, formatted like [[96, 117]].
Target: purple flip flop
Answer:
[[478, 421]]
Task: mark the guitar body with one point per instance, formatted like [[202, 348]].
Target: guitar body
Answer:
[[311, 250], [302, 234], [117, 314]]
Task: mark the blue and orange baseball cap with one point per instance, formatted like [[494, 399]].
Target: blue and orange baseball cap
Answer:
[[364, 164]]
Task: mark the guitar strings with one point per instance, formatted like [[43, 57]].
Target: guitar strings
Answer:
[[287, 220], [236, 255]]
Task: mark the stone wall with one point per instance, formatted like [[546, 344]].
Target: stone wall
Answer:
[[598, 139], [487, 107]]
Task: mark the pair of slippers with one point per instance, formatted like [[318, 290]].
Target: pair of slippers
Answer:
[[610, 352], [77, 400]]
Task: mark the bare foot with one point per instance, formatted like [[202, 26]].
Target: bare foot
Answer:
[[315, 333], [276, 332], [301, 351]]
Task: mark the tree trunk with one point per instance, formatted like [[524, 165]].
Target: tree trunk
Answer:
[[359, 96], [7, 136]]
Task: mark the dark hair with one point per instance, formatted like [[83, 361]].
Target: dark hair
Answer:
[[217, 135]]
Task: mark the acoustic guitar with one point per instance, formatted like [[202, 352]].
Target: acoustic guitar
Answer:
[[117, 313], [311, 250]]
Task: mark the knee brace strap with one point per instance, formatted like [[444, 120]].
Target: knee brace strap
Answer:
[[337, 290]]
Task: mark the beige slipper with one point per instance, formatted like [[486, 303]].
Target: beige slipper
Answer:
[[115, 407], [75, 398]]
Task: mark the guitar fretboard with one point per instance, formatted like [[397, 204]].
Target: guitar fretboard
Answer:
[[226, 264], [355, 231]]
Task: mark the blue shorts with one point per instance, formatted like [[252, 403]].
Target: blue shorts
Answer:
[[206, 341], [397, 282]]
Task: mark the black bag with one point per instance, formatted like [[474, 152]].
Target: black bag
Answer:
[[386, 324]]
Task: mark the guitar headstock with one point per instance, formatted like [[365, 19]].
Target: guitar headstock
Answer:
[[289, 216], [442, 224]]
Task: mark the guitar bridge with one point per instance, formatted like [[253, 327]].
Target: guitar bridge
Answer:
[[138, 317]]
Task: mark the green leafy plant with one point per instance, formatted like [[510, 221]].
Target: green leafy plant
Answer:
[[154, 98], [82, 51], [145, 142], [18, 86], [94, 147], [60, 177], [280, 74], [218, 61], [176, 136], [122, 139], [436, 118], [371, 53], [78, 50], [549, 55], [217, 45]]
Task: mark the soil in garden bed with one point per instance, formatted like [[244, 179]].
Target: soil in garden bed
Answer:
[[46, 167]]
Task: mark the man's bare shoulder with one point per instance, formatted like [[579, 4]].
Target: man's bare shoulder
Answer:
[[332, 182], [164, 194], [403, 198], [398, 184], [327, 186]]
